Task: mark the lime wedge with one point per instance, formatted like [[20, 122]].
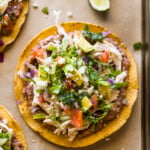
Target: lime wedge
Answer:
[[100, 5]]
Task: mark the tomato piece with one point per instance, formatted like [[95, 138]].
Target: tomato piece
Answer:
[[41, 98], [77, 118], [68, 83], [8, 24], [38, 52], [104, 57], [67, 110], [94, 99]]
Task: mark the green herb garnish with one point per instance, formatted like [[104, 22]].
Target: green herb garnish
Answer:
[[140, 45], [39, 116], [92, 36], [119, 85], [45, 10]]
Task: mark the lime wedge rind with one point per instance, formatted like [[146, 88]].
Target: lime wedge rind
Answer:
[[100, 5]]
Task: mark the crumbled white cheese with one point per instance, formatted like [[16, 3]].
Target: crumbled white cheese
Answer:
[[41, 85], [120, 77], [35, 101], [90, 90], [35, 5], [82, 69], [61, 61], [69, 14], [2, 124], [3, 5]]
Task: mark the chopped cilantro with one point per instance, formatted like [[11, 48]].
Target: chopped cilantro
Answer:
[[119, 85], [45, 10], [92, 36], [140, 45]]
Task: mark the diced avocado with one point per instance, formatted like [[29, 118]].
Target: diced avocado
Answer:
[[85, 45], [43, 74], [86, 103], [106, 91], [77, 77]]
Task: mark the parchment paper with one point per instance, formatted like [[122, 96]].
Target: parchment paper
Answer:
[[123, 18]]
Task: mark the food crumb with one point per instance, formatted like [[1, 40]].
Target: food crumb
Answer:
[[33, 141], [107, 139], [69, 14], [35, 5]]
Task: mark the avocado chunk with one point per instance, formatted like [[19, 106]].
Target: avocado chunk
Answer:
[[43, 74], [77, 77], [85, 45], [106, 91], [86, 103]]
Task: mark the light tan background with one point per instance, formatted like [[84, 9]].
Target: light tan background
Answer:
[[124, 19]]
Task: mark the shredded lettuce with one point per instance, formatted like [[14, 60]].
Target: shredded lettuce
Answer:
[[29, 80], [52, 48], [119, 85], [39, 116]]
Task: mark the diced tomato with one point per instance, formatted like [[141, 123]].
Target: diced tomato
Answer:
[[38, 52], [8, 24], [68, 83], [77, 118], [41, 98], [104, 57], [94, 100], [67, 110]]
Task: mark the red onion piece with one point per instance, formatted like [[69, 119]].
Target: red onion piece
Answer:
[[110, 81], [125, 101], [34, 109], [28, 75], [85, 59], [105, 33], [19, 102], [20, 74], [32, 72], [1, 57], [1, 42]]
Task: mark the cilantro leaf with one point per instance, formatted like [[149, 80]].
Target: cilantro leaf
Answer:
[[45, 10], [92, 36], [119, 85], [140, 45]]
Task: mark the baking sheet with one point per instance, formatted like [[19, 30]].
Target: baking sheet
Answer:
[[124, 18]]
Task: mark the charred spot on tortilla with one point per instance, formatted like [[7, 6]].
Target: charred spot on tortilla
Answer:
[[11, 136], [83, 75], [12, 17]]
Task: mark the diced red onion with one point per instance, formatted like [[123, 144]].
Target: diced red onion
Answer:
[[110, 81], [34, 109], [76, 105], [32, 72], [125, 101], [1, 42], [28, 75], [85, 59], [1, 57], [19, 102], [20, 74], [105, 33]]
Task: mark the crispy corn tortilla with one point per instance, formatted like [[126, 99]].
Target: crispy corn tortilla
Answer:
[[14, 125], [8, 39], [111, 127]]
